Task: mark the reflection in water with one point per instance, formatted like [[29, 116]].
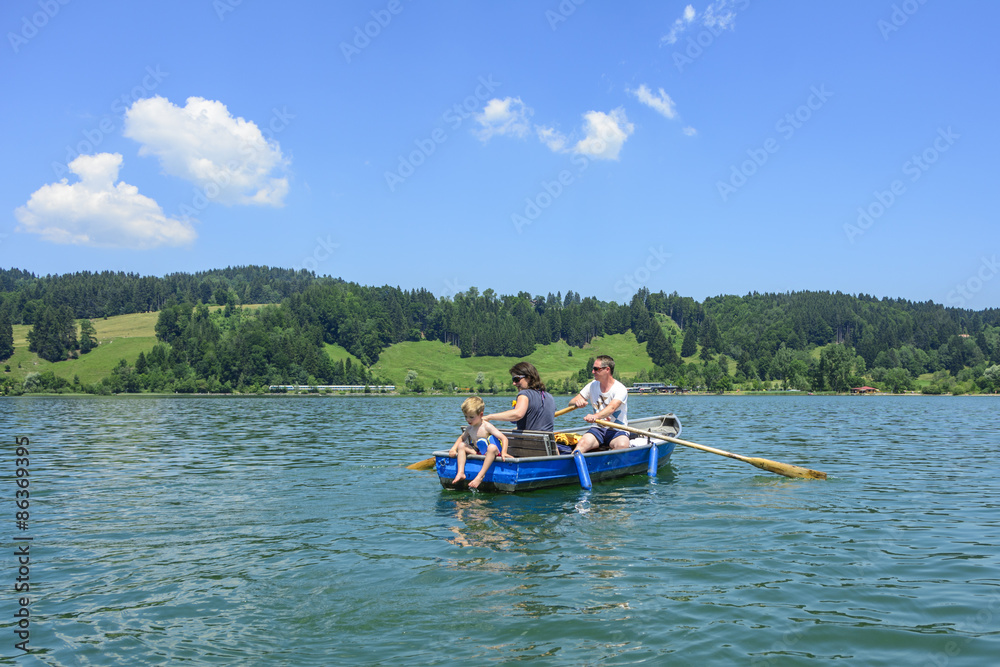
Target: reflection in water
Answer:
[[499, 522], [560, 534], [478, 525]]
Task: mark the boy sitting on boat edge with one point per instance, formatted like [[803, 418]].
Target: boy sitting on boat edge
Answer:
[[481, 437]]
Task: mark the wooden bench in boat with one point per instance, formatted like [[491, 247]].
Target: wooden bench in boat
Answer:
[[535, 443], [530, 443]]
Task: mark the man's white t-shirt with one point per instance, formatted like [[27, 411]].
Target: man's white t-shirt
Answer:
[[592, 394]]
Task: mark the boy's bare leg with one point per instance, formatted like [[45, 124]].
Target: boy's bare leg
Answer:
[[461, 466], [491, 454]]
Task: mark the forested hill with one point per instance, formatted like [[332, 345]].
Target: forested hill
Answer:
[[108, 293], [759, 323], [749, 329]]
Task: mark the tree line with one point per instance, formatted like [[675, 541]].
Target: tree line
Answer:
[[764, 337], [91, 295]]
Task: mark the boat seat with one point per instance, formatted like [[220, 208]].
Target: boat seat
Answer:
[[530, 443], [669, 431]]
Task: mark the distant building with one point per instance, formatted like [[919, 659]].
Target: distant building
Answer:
[[356, 388], [654, 388], [864, 390]]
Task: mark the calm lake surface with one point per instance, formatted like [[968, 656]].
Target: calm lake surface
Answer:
[[287, 531]]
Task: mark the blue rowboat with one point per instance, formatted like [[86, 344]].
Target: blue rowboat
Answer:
[[534, 461]]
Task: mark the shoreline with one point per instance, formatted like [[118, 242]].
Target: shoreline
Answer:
[[692, 394]]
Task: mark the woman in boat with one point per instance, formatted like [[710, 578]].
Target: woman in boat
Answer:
[[534, 409]]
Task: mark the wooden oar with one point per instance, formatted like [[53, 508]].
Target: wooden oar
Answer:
[[764, 464], [428, 464], [565, 410]]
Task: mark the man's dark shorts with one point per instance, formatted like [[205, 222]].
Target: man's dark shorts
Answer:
[[605, 435]]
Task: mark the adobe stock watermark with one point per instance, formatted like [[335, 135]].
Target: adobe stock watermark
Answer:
[[916, 166], [697, 44], [94, 137], [363, 35], [965, 292], [223, 7], [562, 13], [454, 117], [633, 281], [984, 622], [872, 556], [325, 247], [786, 126], [203, 196], [547, 193], [901, 13], [31, 25], [453, 287], [780, 647]]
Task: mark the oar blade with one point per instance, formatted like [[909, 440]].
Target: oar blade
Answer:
[[426, 464], [785, 469]]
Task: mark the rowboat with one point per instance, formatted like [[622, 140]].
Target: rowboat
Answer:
[[535, 462]]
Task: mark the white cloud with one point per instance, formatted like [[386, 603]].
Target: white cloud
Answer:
[[606, 133], [662, 103], [552, 138], [680, 25], [506, 116], [690, 131], [718, 15], [96, 211], [228, 158]]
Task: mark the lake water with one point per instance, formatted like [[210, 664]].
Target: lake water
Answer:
[[287, 531]]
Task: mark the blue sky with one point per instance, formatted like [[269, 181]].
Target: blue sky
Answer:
[[708, 148]]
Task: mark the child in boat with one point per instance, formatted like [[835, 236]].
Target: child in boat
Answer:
[[481, 437]]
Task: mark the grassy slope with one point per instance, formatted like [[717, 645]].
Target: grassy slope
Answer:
[[336, 353], [434, 360], [120, 337], [125, 336]]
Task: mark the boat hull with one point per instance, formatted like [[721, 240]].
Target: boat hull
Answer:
[[538, 472]]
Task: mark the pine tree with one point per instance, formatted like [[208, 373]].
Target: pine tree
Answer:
[[6, 336], [710, 340], [690, 344], [140, 364], [88, 336], [657, 345], [44, 339], [641, 319], [673, 359]]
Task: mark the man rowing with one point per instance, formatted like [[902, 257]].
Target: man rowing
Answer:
[[609, 398]]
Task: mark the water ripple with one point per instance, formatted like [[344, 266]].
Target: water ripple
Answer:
[[288, 531]]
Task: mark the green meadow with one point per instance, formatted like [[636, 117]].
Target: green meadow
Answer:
[[119, 337], [125, 336], [433, 360]]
